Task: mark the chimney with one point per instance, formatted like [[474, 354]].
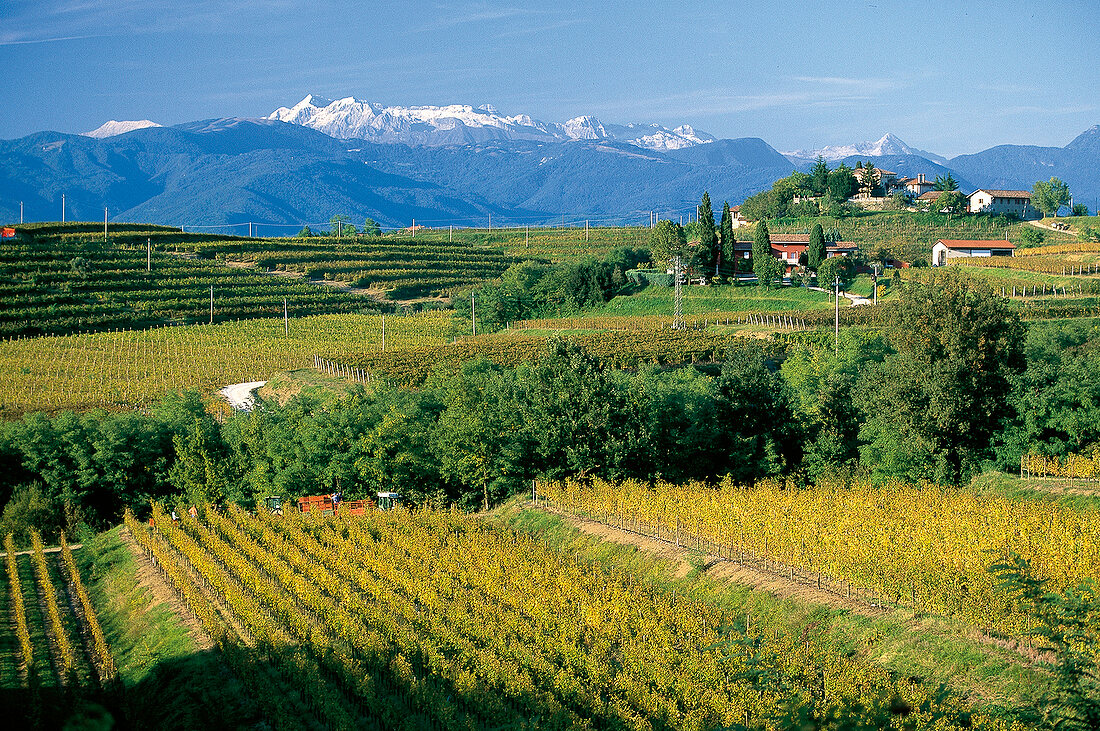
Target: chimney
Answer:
[[920, 177]]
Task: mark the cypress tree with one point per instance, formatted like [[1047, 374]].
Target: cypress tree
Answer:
[[761, 241], [817, 252], [708, 234], [725, 230]]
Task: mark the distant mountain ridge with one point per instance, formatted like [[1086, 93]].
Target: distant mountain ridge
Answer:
[[459, 165], [457, 124], [888, 144]]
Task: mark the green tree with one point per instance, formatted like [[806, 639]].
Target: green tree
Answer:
[[768, 271], [842, 183], [1065, 623], [951, 202], [765, 266], [869, 180], [1049, 196], [817, 252], [833, 267], [1030, 236], [579, 420], [305, 233], [371, 227], [820, 176], [945, 182], [339, 225], [936, 403], [708, 234], [755, 407], [1080, 209], [667, 240], [725, 233], [480, 438]]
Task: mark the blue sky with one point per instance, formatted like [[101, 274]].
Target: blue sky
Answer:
[[942, 76]]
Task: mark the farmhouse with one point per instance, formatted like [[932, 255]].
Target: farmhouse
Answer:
[[787, 248], [945, 249], [1006, 202], [917, 186]]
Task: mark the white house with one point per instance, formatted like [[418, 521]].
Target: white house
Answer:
[[1006, 202], [917, 186], [958, 248]]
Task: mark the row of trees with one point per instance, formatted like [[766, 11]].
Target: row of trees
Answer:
[[820, 192], [341, 225], [933, 397], [533, 289]]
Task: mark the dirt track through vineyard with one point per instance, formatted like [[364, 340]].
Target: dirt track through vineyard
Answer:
[[773, 583], [723, 569]]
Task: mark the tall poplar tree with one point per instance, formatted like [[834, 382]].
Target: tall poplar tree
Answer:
[[816, 253], [725, 232], [765, 266], [708, 234]]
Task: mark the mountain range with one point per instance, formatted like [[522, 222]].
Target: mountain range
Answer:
[[456, 124], [446, 165]]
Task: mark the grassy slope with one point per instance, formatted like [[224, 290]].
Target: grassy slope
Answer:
[[706, 300], [169, 682], [1075, 494], [935, 649]]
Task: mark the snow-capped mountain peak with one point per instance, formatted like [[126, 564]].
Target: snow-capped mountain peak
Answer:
[[888, 144], [454, 124], [113, 127]]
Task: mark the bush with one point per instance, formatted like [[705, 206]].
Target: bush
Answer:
[[656, 277]]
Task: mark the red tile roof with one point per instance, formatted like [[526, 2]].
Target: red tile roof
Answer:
[[1005, 193], [977, 244]]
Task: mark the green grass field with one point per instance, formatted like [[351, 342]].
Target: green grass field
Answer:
[[699, 301]]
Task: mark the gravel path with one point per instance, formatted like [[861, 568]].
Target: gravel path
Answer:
[[240, 395]]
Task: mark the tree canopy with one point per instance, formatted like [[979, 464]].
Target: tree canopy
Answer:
[[937, 401], [667, 240], [1049, 196]]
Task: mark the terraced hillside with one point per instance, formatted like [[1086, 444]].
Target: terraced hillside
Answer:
[[54, 282]]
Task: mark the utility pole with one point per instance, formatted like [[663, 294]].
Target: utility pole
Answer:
[[490, 223], [473, 313], [836, 322], [20, 211], [586, 229], [62, 208], [149, 255], [451, 235], [104, 224], [250, 229], [527, 237]]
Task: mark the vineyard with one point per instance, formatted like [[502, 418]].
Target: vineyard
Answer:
[[135, 368], [403, 267], [434, 620], [1072, 466], [76, 282], [925, 547], [59, 649]]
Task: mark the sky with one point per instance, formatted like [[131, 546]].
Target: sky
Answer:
[[945, 76]]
